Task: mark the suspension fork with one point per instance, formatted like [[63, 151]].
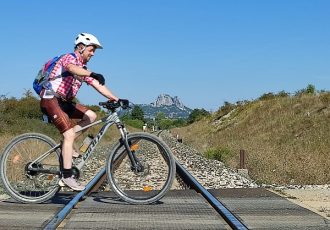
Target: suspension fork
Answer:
[[135, 163]]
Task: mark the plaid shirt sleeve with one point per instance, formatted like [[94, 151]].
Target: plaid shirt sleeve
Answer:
[[68, 59]]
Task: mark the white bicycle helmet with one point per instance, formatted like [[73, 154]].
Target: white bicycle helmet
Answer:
[[88, 40]]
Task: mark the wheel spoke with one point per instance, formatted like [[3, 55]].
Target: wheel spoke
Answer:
[[149, 184], [21, 182]]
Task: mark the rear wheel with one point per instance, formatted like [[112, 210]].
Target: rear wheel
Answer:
[[34, 184], [154, 176]]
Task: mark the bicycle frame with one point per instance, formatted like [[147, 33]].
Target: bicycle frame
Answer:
[[109, 120]]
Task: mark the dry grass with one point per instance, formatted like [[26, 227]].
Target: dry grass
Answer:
[[4, 140], [286, 138]]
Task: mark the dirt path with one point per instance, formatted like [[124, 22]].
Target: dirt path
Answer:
[[314, 199]]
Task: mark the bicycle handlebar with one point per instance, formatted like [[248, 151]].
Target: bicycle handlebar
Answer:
[[113, 105]]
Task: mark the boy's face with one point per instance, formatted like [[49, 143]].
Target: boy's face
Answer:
[[88, 53]]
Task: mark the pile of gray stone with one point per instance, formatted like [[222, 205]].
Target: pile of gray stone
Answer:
[[212, 174]]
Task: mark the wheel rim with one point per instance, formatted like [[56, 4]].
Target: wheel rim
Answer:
[[147, 185], [24, 184]]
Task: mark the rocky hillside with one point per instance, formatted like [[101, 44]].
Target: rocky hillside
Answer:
[[167, 100], [172, 107]]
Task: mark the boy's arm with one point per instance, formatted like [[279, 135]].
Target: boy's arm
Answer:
[[77, 70], [104, 91]]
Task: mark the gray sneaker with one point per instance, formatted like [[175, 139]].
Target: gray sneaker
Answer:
[[72, 183]]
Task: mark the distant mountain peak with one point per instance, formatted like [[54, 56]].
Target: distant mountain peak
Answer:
[[166, 100], [172, 107]]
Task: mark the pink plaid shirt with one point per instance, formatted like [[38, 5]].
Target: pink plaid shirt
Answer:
[[67, 86]]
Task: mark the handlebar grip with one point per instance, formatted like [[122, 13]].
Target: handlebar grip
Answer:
[[123, 103], [103, 103]]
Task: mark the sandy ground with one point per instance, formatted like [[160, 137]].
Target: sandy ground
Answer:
[[314, 199]]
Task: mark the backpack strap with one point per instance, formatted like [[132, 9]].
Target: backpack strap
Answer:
[[64, 74], [46, 85]]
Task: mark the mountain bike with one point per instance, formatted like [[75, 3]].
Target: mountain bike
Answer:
[[140, 168]]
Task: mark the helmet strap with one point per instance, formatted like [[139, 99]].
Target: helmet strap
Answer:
[[82, 50]]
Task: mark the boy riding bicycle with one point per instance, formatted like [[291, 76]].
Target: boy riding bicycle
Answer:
[[57, 100]]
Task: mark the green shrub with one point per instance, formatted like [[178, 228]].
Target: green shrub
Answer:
[[197, 114], [266, 96], [137, 113], [282, 94], [310, 89], [219, 153]]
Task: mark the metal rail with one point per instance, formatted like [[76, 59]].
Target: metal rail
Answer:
[[228, 216], [60, 216], [92, 186], [187, 178]]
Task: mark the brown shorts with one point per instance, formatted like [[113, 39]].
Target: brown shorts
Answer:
[[60, 112]]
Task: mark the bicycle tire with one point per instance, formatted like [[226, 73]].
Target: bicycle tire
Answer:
[[150, 185], [21, 184]]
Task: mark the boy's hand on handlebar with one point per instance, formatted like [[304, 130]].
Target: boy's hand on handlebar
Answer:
[[98, 77]]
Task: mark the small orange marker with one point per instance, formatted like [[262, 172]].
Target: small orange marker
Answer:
[[147, 188], [50, 177], [134, 147]]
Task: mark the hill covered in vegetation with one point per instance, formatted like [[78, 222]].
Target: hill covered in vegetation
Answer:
[[286, 137]]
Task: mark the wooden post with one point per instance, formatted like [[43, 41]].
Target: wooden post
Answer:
[[242, 159], [242, 164]]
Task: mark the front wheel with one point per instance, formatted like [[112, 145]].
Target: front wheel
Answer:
[[26, 182], [154, 176]]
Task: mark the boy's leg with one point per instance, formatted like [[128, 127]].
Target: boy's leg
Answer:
[[88, 117], [67, 148], [63, 123]]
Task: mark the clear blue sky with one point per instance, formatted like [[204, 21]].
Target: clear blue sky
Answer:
[[205, 52]]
